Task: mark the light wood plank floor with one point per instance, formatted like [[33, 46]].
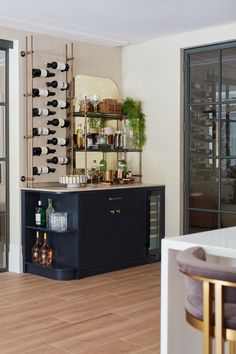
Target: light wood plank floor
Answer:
[[112, 313]]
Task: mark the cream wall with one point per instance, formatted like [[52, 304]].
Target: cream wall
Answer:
[[89, 60], [152, 72]]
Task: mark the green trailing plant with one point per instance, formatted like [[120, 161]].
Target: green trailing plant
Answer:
[[132, 108]]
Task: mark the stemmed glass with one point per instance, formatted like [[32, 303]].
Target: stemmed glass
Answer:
[[95, 101], [84, 99]]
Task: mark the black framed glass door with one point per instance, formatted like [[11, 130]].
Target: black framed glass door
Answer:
[[4, 153], [210, 138]]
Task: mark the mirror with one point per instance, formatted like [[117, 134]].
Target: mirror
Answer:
[[91, 85], [103, 88]]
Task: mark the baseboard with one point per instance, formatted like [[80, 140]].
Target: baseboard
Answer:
[[15, 258]]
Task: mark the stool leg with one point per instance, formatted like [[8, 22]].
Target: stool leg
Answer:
[[231, 347], [206, 318]]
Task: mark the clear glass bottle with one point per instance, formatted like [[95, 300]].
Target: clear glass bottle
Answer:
[[36, 250], [40, 214], [46, 257], [49, 210]]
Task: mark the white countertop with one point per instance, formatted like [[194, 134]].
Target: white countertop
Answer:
[[92, 187], [221, 241]]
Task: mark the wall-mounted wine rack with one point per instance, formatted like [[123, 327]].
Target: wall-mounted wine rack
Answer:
[[39, 166]]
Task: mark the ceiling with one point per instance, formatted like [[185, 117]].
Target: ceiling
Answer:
[[115, 22]]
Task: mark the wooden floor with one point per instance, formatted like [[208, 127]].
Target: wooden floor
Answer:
[[113, 313]]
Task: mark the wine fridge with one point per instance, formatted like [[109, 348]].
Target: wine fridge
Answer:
[[155, 213]]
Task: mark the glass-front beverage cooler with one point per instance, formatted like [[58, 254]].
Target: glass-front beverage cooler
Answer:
[[155, 223]]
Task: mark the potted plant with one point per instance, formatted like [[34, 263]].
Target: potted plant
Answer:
[[132, 108]]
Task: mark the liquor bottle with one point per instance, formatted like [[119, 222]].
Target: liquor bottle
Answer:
[[117, 140], [39, 170], [122, 168], [38, 151], [63, 123], [46, 252], [58, 65], [58, 141], [37, 112], [42, 93], [80, 137], [103, 165], [40, 214], [61, 160], [58, 84], [43, 131], [49, 210], [35, 251], [59, 103], [42, 73]]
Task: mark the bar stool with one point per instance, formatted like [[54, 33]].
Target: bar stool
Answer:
[[210, 305]]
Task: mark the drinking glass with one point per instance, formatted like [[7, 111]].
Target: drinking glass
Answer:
[[95, 101]]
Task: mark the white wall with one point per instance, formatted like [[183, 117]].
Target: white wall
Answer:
[[152, 72], [89, 60]]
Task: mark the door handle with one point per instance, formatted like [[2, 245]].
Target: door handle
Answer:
[[117, 211], [112, 211], [115, 198]]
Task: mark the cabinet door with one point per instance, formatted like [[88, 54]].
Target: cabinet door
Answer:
[[112, 233]]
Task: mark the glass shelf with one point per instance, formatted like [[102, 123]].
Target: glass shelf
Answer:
[[106, 150], [118, 116]]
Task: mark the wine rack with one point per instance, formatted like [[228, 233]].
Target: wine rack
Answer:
[[38, 94]]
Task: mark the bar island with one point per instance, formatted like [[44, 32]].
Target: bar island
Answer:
[[108, 228]]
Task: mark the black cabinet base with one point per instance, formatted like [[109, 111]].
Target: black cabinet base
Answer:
[[109, 267], [57, 271]]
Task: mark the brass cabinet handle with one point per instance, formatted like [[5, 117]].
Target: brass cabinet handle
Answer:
[[117, 211], [115, 198]]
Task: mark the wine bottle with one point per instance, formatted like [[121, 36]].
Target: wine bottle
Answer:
[[49, 210], [35, 251], [59, 103], [39, 170], [40, 214], [61, 160], [46, 252], [58, 84], [58, 141], [37, 151], [43, 131], [58, 65], [63, 123], [37, 112], [42, 93], [42, 73]]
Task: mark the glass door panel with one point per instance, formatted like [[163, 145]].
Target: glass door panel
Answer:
[[3, 238], [228, 184], [228, 90], [2, 132], [204, 74], [203, 186]]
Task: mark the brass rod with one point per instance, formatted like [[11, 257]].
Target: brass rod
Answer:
[[26, 116], [31, 106], [207, 318], [219, 319]]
